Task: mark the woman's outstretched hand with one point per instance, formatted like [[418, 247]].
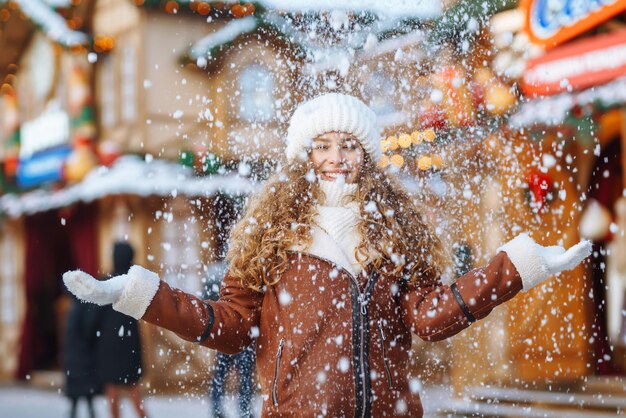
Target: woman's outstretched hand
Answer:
[[129, 293], [101, 292], [536, 263], [558, 259]]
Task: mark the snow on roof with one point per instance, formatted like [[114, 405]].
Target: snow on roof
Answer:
[[58, 3], [55, 26], [129, 175], [405, 8], [553, 110], [226, 34], [324, 52]]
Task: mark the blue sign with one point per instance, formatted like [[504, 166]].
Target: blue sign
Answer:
[[42, 166], [551, 15], [555, 21]]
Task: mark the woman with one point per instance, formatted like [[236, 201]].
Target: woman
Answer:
[[118, 352], [331, 269], [79, 362]]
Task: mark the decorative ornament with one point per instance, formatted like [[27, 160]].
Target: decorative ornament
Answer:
[[539, 193], [483, 77], [172, 7], [203, 8], [241, 10], [489, 91], [108, 152], [105, 43], [80, 162], [186, 158], [431, 115], [248, 9], [79, 92], [499, 99], [456, 100], [206, 163], [595, 222], [11, 162], [583, 124]]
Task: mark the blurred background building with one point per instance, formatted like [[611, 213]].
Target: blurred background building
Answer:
[[152, 120]]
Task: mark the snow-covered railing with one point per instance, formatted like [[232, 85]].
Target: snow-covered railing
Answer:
[[129, 175], [553, 110]]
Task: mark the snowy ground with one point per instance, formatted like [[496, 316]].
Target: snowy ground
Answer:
[[27, 402]]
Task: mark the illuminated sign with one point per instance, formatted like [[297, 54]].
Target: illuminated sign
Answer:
[[551, 22], [578, 65], [45, 166]]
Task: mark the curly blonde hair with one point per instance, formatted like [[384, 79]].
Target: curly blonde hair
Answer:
[[281, 215]]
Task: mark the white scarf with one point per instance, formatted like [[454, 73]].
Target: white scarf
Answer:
[[335, 234]]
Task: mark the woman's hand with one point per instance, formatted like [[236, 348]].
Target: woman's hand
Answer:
[[101, 292], [129, 293], [536, 263], [557, 259]]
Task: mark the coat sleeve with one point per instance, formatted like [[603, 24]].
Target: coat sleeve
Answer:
[[435, 312], [224, 325]]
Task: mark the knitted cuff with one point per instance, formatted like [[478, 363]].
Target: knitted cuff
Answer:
[[522, 251], [138, 293]]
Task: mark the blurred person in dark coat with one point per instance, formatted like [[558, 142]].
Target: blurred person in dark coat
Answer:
[[242, 363], [79, 361], [119, 346]]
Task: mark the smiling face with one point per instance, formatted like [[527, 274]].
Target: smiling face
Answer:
[[336, 154]]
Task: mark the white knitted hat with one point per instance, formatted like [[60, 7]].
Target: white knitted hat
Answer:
[[332, 112]]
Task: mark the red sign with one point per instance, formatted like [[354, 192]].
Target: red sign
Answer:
[[578, 65], [551, 22]]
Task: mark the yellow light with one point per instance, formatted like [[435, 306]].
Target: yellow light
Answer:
[[397, 160], [429, 135], [203, 9], [499, 99], [238, 11], [417, 137], [437, 161], [171, 7], [424, 162], [393, 143], [384, 161], [405, 140], [384, 144]]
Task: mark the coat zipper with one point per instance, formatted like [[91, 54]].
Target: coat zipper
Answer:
[[362, 299], [279, 353], [387, 370], [362, 348]]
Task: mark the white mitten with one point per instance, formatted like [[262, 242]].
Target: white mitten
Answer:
[[129, 293], [88, 289], [536, 263]]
